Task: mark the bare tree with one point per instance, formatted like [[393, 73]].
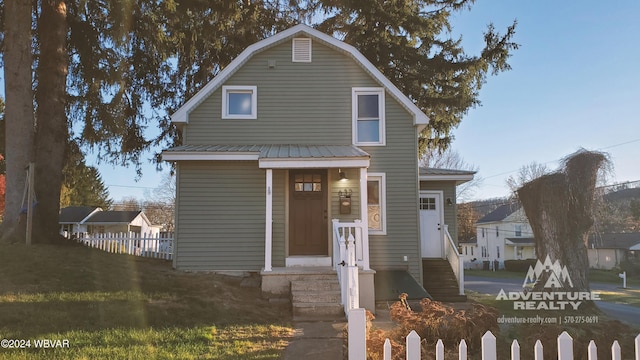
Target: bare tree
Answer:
[[129, 203], [526, 173], [159, 205]]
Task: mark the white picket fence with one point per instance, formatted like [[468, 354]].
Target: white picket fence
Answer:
[[358, 346], [159, 246]]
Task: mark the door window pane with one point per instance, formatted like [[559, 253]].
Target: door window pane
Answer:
[[308, 182]]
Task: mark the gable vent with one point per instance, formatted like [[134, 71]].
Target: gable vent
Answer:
[[301, 50]]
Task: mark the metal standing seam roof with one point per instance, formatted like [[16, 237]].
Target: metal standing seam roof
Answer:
[[437, 171], [278, 151]]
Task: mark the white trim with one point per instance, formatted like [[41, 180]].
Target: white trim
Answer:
[[311, 163], [355, 92], [296, 44], [440, 208], [268, 229], [182, 114], [195, 155], [382, 180], [229, 89], [364, 209]]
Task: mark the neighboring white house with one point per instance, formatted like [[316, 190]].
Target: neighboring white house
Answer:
[[72, 219], [503, 234], [92, 220]]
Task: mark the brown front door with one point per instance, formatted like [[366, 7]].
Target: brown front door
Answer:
[[308, 212]]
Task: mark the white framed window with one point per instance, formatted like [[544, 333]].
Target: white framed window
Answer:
[[376, 203], [367, 106], [518, 230], [239, 102]]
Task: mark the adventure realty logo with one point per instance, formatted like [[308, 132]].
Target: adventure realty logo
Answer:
[[555, 276]]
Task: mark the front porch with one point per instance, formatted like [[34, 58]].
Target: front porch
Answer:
[[348, 274]]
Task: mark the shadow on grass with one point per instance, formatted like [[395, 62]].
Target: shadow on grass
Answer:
[[114, 306]]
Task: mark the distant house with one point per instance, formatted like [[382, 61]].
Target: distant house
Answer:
[[503, 234], [72, 219], [121, 221], [92, 220], [607, 251]]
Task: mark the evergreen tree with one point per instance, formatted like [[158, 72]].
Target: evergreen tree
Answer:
[[82, 184], [101, 65]]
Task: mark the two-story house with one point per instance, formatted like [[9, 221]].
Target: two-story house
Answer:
[[296, 141], [503, 234]]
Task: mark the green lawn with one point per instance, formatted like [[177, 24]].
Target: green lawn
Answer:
[[107, 306]]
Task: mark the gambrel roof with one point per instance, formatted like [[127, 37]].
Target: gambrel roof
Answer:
[[420, 119]]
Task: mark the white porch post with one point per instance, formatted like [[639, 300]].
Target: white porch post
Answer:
[[364, 215], [268, 233]]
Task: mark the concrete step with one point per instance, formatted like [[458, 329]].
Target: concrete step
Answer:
[[316, 297], [318, 312], [310, 297], [310, 285]]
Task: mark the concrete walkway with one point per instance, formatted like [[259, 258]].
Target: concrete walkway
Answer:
[[318, 340]]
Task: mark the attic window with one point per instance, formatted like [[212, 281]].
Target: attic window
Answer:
[[301, 50], [239, 102]]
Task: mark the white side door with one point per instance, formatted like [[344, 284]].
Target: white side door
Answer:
[[431, 224]]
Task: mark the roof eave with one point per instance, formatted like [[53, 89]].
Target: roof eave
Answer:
[[459, 179]]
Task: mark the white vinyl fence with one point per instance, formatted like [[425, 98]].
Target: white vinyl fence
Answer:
[[159, 246], [357, 345]]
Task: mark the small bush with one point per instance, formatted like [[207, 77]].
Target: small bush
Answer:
[[434, 321], [519, 265]]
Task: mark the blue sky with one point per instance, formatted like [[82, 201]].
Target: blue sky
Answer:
[[575, 82]]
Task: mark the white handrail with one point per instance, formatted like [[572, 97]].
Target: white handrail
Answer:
[[454, 258], [347, 238]]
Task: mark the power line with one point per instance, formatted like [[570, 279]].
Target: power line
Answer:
[[551, 161]]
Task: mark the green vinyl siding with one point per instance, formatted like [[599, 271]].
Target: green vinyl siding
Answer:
[[298, 103], [399, 161], [302, 103], [352, 185], [449, 191], [221, 216]]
